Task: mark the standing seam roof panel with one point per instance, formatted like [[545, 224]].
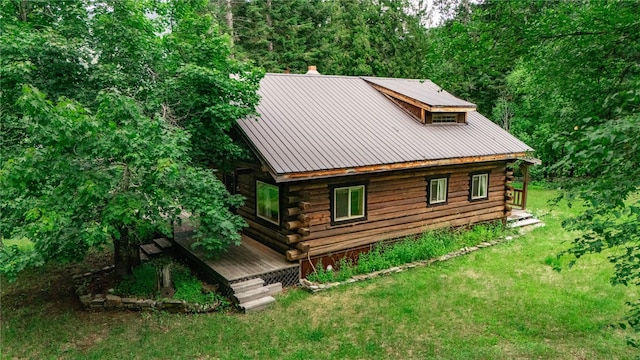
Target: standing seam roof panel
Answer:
[[322, 122], [340, 130], [356, 132], [291, 125], [327, 137]]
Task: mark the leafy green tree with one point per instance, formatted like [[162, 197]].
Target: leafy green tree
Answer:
[[41, 43], [475, 51], [566, 77], [204, 90], [375, 38], [364, 37], [280, 35], [127, 50], [84, 180], [145, 108], [583, 80]]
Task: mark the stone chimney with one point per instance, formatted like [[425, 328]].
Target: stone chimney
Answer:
[[312, 70]]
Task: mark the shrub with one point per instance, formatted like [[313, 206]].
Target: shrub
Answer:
[[321, 274], [189, 287], [429, 245], [372, 261], [142, 282], [345, 269]]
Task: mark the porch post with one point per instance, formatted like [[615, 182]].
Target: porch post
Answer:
[[525, 184]]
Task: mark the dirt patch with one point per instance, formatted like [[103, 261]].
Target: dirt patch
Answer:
[[99, 282], [50, 287], [87, 342]]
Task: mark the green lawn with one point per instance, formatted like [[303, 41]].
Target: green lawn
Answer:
[[503, 302]]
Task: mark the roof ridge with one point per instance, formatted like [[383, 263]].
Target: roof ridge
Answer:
[[363, 77], [313, 75], [392, 78]]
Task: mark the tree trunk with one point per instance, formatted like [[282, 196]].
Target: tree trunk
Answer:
[[22, 8], [126, 257], [167, 290], [229, 18], [270, 24]]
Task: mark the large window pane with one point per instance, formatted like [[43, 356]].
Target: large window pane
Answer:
[[433, 192], [357, 201], [348, 203], [442, 190], [268, 202], [474, 186], [438, 191], [342, 203], [479, 184]]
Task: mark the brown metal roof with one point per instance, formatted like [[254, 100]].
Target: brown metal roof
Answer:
[[424, 91], [341, 125]]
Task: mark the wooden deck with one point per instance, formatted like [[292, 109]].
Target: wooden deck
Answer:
[[250, 260]]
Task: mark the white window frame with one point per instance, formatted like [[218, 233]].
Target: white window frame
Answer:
[[262, 183], [441, 182], [444, 118], [484, 176], [350, 216]]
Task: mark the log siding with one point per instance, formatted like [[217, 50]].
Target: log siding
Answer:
[[396, 205]]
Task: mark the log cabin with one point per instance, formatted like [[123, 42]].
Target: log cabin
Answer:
[[344, 162]]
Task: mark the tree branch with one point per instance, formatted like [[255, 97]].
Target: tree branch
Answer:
[[577, 33]]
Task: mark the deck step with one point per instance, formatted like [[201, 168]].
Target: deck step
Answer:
[[246, 296], [143, 256], [525, 222], [151, 249], [518, 216], [274, 289], [163, 243], [258, 304], [254, 294], [247, 285]]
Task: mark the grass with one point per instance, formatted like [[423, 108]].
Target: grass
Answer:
[[503, 302]]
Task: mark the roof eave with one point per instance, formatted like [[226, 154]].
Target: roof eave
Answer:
[[320, 174]]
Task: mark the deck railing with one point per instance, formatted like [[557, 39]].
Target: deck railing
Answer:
[[518, 197]]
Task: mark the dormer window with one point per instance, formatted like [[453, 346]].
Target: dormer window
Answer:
[[444, 118], [427, 102]]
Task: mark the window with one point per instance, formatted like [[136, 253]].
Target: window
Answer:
[[444, 118], [438, 191], [268, 202], [348, 203], [479, 186]]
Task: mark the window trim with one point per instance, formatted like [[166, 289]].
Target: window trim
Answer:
[[260, 217], [444, 115], [446, 194], [350, 219], [471, 176]]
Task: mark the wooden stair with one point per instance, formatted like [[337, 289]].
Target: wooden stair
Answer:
[[154, 249], [523, 220], [253, 295]]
